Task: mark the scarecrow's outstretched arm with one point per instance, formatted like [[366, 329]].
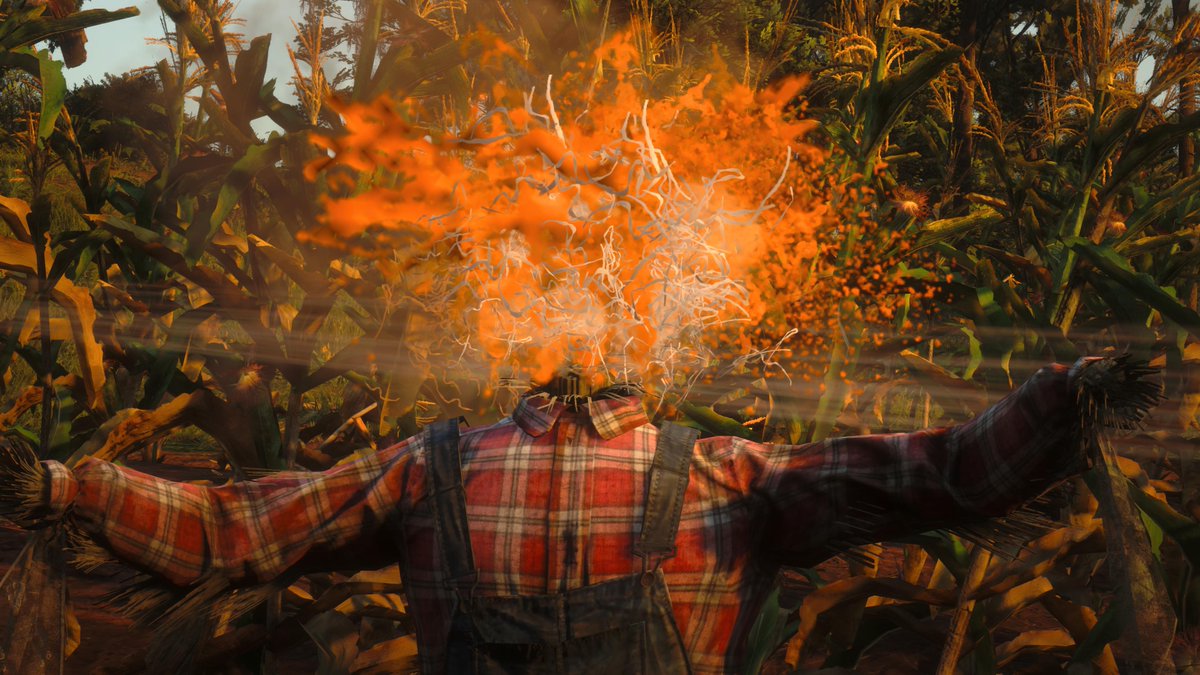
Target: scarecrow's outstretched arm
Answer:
[[823, 498], [247, 532]]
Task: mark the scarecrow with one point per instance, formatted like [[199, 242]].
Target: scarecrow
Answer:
[[575, 536]]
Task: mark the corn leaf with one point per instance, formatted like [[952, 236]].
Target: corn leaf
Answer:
[[29, 30], [336, 638], [54, 93], [883, 102], [1080, 621], [948, 389], [398, 655], [364, 66], [976, 354], [15, 213], [257, 158], [949, 228], [1106, 630], [855, 589], [1145, 146], [310, 282], [1115, 267], [130, 428], [286, 116], [249, 69], [766, 635], [1040, 641], [170, 253], [714, 422], [81, 312], [1157, 208], [1181, 529], [46, 70]]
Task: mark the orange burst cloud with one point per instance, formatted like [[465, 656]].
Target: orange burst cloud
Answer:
[[641, 238]]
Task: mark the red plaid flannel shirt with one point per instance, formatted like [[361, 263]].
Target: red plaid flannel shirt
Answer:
[[555, 501]]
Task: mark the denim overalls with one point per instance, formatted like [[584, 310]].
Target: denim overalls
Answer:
[[622, 627]]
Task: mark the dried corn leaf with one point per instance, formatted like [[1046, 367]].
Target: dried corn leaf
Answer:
[[981, 558], [131, 427], [1034, 641], [1080, 620], [393, 657], [81, 313], [60, 328], [336, 638], [854, 589], [1040, 556], [998, 609], [310, 282], [15, 213], [915, 558]]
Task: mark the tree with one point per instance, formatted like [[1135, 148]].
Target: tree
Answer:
[[20, 97], [114, 114]]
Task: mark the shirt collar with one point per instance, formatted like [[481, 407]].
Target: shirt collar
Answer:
[[536, 414]]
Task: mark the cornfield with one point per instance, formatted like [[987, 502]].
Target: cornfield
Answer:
[[832, 217]]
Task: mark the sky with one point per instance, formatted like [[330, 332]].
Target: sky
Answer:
[[121, 45]]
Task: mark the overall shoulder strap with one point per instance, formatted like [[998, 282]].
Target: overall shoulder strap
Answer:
[[447, 499], [668, 483]]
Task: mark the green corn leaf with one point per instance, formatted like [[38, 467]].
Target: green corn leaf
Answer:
[[257, 158], [996, 314], [713, 421], [833, 399], [876, 623], [983, 656], [54, 93], [976, 352], [1146, 147], [949, 228], [1103, 141], [1158, 206], [400, 70], [1146, 612], [78, 254], [768, 632], [1182, 530], [1155, 533], [285, 116], [27, 29], [882, 103], [1116, 268], [249, 70]]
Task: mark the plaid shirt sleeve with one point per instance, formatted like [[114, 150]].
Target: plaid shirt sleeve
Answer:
[[823, 498], [249, 532]]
